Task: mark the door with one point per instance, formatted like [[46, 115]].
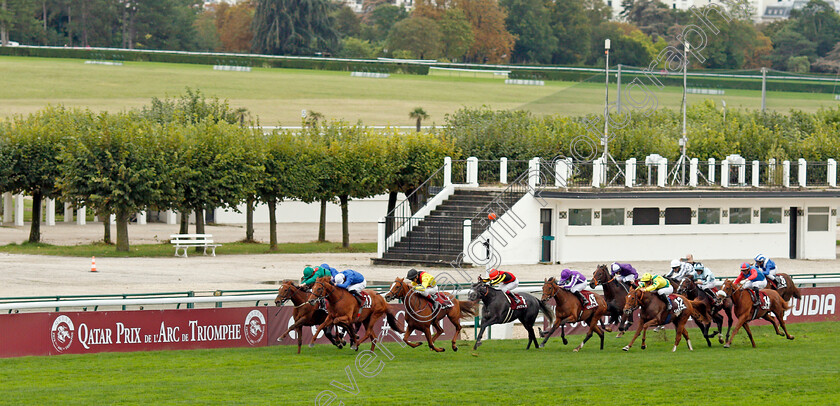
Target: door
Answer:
[[547, 238], [794, 230]]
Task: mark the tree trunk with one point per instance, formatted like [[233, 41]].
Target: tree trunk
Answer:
[[122, 230], [322, 226], [185, 223], [345, 230], [272, 224], [35, 229], [418, 124], [106, 222], [249, 219], [4, 33], [199, 223], [389, 217]]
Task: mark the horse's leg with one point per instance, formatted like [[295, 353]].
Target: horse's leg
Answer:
[[483, 325], [738, 322], [410, 329], [642, 326], [749, 333], [600, 333], [327, 322], [547, 334], [430, 340], [456, 321], [728, 311], [299, 332], [767, 316], [585, 339], [780, 315]]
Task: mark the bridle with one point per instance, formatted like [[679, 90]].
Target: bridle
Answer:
[[324, 287]]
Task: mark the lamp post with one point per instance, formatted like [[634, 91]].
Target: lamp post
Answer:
[[605, 141]]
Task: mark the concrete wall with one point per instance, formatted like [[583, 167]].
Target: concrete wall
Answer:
[[360, 211]]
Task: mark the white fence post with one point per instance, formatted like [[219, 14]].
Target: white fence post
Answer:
[[170, 217], [692, 172], [49, 217], [596, 173], [68, 213], [467, 235], [724, 173], [786, 173], [472, 171], [141, 217], [712, 171], [630, 172], [80, 216], [7, 207], [562, 169], [803, 172], [832, 172], [380, 238], [755, 169], [19, 210], [447, 171], [662, 173], [503, 171], [533, 172]]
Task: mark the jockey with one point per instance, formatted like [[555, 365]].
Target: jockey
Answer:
[[766, 266], [624, 273], [680, 270], [311, 274], [506, 281], [351, 280], [753, 279], [424, 284], [704, 278], [658, 284], [574, 282]]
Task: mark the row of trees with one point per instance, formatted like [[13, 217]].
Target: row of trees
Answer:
[[191, 154], [520, 31]]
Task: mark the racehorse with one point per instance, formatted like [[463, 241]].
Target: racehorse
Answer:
[[786, 288], [615, 293], [654, 313], [745, 311], [344, 311], [304, 314], [568, 309], [497, 310], [690, 290], [421, 314]]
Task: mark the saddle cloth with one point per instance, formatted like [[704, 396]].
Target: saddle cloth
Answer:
[[677, 304], [366, 300], [590, 302], [519, 303]]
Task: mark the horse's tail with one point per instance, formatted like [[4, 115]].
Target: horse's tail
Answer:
[[547, 313], [467, 308], [796, 293], [392, 320]]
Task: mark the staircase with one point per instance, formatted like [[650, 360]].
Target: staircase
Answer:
[[438, 239]]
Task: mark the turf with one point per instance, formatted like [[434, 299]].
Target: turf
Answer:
[[277, 96], [803, 371]]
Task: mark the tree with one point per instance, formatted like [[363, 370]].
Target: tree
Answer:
[[122, 166], [798, 64], [293, 27], [456, 34], [530, 22], [347, 23], [233, 24], [381, 20], [418, 114], [33, 146], [418, 35], [831, 62], [819, 23], [651, 16], [160, 24], [207, 35], [493, 43], [571, 27], [357, 48], [789, 43]]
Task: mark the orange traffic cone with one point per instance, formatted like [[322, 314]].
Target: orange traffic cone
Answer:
[[93, 264]]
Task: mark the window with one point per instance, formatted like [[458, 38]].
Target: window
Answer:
[[612, 217], [645, 216], [678, 215], [708, 216], [580, 217], [771, 215], [739, 215], [818, 219]]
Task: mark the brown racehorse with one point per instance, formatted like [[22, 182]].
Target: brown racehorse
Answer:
[[344, 311], [615, 293], [786, 288], [654, 312], [304, 314], [690, 290], [420, 314], [568, 309], [745, 312]]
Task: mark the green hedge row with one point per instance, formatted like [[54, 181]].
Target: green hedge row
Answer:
[[776, 85], [207, 59]]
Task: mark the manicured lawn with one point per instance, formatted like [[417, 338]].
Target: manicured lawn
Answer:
[[279, 95], [166, 249], [803, 371]]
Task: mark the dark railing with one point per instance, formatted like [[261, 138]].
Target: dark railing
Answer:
[[459, 171], [430, 234], [770, 175], [817, 174], [504, 201], [414, 201], [515, 168], [581, 175]]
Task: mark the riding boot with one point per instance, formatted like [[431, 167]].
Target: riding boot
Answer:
[[358, 298], [667, 301], [755, 296], [581, 298]]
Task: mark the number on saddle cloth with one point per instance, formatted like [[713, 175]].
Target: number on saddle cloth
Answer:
[[782, 283], [517, 302], [765, 301], [591, 301], [366, 300]]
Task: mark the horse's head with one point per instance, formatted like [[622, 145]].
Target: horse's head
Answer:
[[728, 287], [398, 290], [477, 291], [284, 293], [320, 289], [687, 285], [601, 276], [633, 300], [549, 289]]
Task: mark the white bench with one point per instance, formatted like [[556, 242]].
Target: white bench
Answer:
[[185, 241]]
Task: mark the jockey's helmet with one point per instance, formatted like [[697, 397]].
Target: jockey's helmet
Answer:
[[308, 272], [760, 258], [698, 267], [494, 273], [647, 277], [615, 267], [745, 266], [675, 263], [566, 274], [412, 274], [339, 279]]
